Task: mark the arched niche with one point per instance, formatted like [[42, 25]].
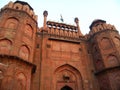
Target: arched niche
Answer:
[[5, 46], [24, 52], [11, 23], [111, 61], [67, 75], [105, 43], [21, 81], [117, 41], [29, 30]]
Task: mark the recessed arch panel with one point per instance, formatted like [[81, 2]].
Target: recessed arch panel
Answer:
[[67, 75], [111, 61], [22, 81], [11, 23], [105, 43], [5, 46], [117, 41], [29, 30], [24, 52]]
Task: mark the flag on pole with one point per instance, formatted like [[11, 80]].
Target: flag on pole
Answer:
[[61, 18]]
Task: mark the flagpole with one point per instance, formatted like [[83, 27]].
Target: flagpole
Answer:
[[62, 20]]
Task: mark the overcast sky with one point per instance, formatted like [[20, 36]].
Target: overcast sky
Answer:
[[85, 10]]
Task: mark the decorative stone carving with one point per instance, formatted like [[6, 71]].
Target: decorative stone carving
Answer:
[[24, 52]]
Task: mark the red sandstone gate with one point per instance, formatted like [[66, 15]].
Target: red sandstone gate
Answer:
[[67, 78]]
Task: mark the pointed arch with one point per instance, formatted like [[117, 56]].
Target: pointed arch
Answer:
[[111, 61], [29, 30], [105, 43], [67, 74], [5, 46], [21, 80], [68, 67], [11, 23], [117, 41], [24, 52]]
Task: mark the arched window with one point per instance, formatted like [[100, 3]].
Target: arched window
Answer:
[[29, 30], [24, 52], [112, 61], [105, 43], [5, 46], [66, 88], [117, 41], [11, 23]]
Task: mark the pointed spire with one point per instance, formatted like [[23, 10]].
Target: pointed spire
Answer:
[[45, 14], [76, 20]]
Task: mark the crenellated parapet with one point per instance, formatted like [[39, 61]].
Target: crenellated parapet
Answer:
[[21, 6], [100, 25]]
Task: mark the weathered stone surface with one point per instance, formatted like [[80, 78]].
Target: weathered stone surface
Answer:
[[57, 56]]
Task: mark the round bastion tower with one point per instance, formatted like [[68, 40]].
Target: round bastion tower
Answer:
[[18, 26], [105, 47]]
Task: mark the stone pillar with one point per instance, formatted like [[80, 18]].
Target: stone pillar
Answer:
[[45, 14], [77, 23]]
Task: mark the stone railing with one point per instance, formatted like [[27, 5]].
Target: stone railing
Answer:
[[61, 29]]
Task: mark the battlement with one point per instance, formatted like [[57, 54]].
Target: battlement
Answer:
[[22, 6], [99, 25]]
